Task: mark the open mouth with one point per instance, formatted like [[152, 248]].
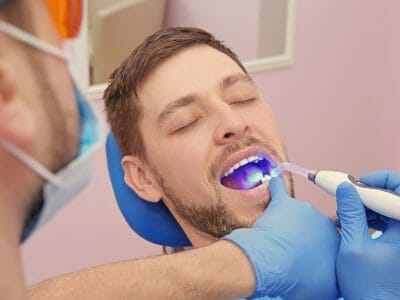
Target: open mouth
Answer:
[[248, 173]]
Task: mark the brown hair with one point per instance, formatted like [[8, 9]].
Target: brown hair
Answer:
[[121, 100]]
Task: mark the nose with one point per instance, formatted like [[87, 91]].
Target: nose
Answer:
[[230, 127]]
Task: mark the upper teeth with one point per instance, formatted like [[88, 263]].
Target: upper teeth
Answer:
[[243, 162]]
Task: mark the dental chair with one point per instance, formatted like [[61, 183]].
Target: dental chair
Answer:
[[152, 221]]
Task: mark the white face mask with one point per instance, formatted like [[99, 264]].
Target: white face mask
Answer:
[[61, 187]]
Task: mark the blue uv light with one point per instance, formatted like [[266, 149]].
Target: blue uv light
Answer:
[[254, 178]]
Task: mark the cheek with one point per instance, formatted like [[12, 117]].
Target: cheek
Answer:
[[263, 122], [261, 117], [181, 163]]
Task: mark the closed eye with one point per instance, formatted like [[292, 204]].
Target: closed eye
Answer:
[[242, 102], [186, 126]]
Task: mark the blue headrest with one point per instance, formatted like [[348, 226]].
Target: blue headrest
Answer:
[[152, 221]]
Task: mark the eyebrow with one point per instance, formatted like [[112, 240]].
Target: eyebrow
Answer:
[[191, 98], [174, 106], [235, 78]]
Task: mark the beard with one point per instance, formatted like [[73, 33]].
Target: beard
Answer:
[[216, 219], [62, 148]]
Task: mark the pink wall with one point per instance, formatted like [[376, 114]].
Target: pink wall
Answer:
[[243, 16], [338, 107]]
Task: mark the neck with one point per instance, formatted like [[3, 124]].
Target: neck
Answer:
[[198, 238], [195, 236], [12, 281]]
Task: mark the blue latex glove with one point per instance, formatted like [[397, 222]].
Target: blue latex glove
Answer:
[[367, 268], [292, 248]]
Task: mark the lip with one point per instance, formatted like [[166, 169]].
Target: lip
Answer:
[[249, 151], [253, 195]]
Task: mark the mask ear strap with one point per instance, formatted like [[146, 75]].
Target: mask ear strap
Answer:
[[29, 161], [33, 41]]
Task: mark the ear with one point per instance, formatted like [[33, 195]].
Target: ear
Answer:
[[140, 178], [16, 118]]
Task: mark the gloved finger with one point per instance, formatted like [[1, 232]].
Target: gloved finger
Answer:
[[376, 224], [392, 232], [375, 221], [277, 188], [383, 179], [351, 212], [371, 216]]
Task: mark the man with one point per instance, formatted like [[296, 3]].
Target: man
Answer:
[[194, 117], [47, 132]]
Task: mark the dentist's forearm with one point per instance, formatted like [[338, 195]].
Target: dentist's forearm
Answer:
[[218, 271]]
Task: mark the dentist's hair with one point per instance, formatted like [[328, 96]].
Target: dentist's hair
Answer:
[[123, 109]]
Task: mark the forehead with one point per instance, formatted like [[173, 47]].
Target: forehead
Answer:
[[197, 69]]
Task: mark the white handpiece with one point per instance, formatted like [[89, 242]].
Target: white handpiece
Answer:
[[381, 201]]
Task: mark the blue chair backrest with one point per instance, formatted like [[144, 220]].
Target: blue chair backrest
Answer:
[[152, 221]]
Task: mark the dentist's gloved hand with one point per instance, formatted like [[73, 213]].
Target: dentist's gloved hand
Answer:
[[367, 268], [292, 248]]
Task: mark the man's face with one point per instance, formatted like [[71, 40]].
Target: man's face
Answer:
[[202, 115]]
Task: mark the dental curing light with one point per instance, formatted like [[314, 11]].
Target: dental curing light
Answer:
[[382, 201]]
